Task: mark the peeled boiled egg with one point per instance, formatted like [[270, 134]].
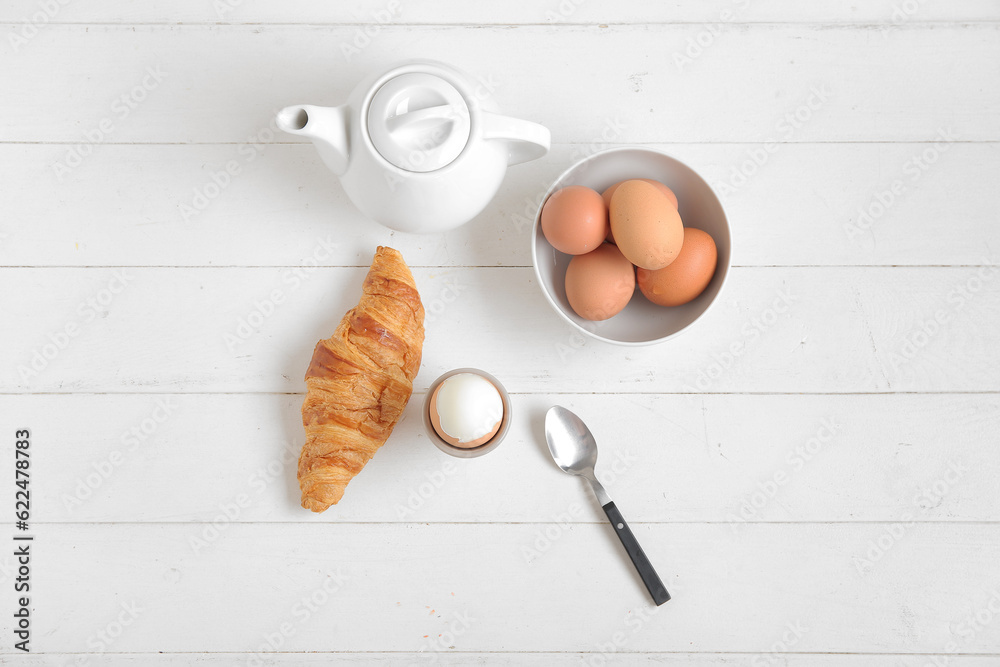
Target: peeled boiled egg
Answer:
[[600, 283], [687, 276], [466, 410], [575, 220], [646, 225]]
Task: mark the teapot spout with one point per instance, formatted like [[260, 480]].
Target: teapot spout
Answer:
[[325, 126]]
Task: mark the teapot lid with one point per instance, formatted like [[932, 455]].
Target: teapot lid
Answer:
[[419, 122]]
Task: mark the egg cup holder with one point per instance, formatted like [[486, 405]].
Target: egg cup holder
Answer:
[[472, 452]]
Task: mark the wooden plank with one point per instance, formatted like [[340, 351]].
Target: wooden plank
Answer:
[[461, 659], [474, 583], [775, 330], [748, 84], [511, 12], [141, 204], [722, 459]]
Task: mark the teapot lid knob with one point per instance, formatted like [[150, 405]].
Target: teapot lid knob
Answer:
[[419, 122]]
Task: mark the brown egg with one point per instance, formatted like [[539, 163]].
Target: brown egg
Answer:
[[610, 192], [646, 225], [687, 276], [575, 220], [600, 283]]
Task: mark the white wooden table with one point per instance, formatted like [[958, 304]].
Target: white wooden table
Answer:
[[828, 496]]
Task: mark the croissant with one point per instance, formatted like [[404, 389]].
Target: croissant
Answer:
[[359, 381]]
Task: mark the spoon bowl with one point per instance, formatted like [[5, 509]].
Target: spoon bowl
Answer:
[[571, 443]]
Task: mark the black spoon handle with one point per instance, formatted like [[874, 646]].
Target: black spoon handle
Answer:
[[649, 577]]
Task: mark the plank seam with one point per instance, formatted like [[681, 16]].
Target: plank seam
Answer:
[[473, 266], [514, 652], [12, 142], [725, 522], [912, 24], [983, 392]]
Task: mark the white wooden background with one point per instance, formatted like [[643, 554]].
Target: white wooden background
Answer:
[[881, 547]]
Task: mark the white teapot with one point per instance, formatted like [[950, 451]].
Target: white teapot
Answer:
[[420, 148]]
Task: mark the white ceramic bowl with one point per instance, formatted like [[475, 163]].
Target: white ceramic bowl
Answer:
[[641, 322]]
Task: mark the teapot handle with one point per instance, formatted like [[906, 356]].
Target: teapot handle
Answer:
[[525, 140]]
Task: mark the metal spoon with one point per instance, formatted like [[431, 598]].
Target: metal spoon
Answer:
[[574, 450]]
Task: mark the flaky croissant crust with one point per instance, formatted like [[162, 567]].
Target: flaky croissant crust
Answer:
[[359, 381]]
